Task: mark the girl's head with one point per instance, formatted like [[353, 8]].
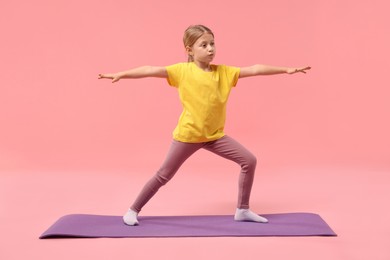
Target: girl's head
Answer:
[[191, 35]]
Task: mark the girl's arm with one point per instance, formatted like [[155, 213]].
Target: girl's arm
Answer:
[[135, 73], [259, 69]]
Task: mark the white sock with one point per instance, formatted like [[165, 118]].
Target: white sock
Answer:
[[130, 218], [248, 215]]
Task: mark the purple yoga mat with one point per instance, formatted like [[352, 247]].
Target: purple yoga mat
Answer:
[[93, 226]]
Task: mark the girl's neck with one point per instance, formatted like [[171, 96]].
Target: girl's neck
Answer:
[[203, 66]]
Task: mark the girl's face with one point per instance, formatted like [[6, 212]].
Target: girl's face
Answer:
[[203, 50]]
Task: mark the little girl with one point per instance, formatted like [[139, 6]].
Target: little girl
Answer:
[[203, 90]]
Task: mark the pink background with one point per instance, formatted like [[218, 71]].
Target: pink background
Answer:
[[70, 143]]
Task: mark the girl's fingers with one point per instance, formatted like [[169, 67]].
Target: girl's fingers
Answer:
[[104, 76], [303, 70]]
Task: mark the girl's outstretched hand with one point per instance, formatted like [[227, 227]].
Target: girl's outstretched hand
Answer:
[[114, 77], [296, 70]]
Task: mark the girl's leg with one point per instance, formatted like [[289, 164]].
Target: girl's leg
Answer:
[[177, 154], [232, 150]]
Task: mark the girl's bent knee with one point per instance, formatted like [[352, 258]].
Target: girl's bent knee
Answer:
[[250, 162]]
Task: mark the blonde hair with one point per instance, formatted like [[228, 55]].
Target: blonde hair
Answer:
[[192, 34]]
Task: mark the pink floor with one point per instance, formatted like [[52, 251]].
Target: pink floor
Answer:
[[352, 201]]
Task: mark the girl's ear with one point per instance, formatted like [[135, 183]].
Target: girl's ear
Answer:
[[189, 54], [188, 50]]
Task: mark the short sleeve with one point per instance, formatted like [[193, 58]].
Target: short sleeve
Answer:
[[175, 72], [232, 74]]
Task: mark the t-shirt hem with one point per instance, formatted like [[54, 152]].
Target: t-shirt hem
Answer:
[[198, 140]]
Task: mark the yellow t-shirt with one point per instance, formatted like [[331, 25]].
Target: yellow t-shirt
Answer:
[[203, 96]]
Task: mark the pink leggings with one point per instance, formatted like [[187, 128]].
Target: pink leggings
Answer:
[[179, 152]]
